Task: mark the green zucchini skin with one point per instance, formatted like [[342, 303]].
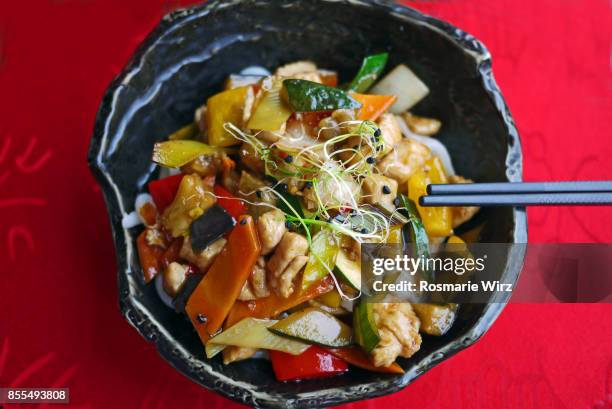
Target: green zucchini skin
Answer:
[[309, 96]]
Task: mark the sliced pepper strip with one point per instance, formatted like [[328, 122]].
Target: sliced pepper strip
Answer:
[[373, 106], [163, 190], [214, 296], [358, 357], [274, 304], [315, 362], [371, 67], [234, 206]]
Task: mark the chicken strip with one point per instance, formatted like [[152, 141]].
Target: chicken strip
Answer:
[[204, 258], [379, 190], [422, 125], [390, 131], [286, 262], [398, 328], [271, 228], [406, 158], [256, 286]]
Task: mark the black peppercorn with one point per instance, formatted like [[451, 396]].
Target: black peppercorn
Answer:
[[308, 184], [377, 132], [396, 202], [386, 190], [288, 224], [258, 194], [370, 160], [201, 318], [289, 159], [364, 230], [284, 186], [243, 221]]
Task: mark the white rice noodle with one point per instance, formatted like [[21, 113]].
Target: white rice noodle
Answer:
[[159, 287], [437, 147], [255, 70], [131, 220]]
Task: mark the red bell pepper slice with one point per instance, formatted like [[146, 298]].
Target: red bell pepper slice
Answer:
[[163, 190], [229, 202], [315, 362]]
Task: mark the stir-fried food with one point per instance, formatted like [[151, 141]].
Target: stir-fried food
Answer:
[[275, 185]]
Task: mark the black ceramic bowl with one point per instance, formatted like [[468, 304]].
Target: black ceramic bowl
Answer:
[[186, 59]]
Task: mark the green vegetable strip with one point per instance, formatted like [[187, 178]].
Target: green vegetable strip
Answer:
[[414, 232], [364, 327], [309, 96], [322, 259], [371, 68]]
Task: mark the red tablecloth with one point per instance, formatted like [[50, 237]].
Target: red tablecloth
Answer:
[[60, 324]]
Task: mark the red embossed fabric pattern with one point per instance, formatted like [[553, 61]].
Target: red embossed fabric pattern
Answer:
[[60, 325]]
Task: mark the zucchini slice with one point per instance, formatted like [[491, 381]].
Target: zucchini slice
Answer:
[[366, 333], [315, 326], [350, 270]]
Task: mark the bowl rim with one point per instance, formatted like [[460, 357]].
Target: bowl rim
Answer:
[[202, 372]]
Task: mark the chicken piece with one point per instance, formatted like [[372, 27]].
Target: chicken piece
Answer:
[[285, 284], [282, 263], [302, 70], [246, 294], [174, 277], [404, 160], [250, 158], [379, 190], [191, 201], [204, 165], [462, 214], [256, 285], [421, 125], [330, 127], [233, 354], [204, 258], [333, 189], [257, 193], [271, 228], [390, 132], [258, 279], [398, 328]]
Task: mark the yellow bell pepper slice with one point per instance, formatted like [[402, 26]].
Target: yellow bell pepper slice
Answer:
[[437, 220], [225, 107]]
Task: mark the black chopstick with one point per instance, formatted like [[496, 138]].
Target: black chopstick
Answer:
[[521, 187], [518, 199]]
